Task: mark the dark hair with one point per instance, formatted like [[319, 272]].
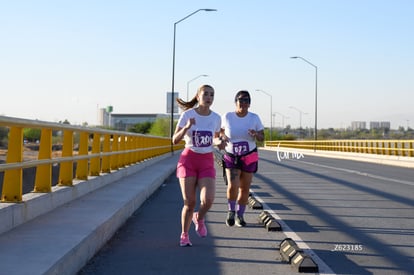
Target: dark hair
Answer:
[[185, 105], [243, 93]]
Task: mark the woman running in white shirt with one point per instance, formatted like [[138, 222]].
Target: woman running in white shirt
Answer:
[[200, 128], [240, 130]]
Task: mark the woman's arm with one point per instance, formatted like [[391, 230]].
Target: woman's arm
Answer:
[[219, 141], [258, 135], [181, 131]]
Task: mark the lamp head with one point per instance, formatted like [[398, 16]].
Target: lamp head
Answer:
[[209, 10], [294, 57]]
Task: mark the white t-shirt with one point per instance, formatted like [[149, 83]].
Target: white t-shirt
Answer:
[[236, 129], [199, 138]]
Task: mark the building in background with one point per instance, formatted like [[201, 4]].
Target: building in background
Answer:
[[104, 115], [361, 125], [122, 122], [358, 125], [386, 125]]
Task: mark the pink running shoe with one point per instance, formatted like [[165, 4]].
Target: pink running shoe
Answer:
[[185, 240], [200, 227]]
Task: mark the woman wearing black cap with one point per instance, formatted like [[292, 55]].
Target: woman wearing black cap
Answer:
[[240, 130]]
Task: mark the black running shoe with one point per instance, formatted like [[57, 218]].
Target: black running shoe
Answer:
[[240, 221], [230, 218]]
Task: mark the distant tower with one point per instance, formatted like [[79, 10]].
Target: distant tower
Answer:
[[104, 118], [109, 110]]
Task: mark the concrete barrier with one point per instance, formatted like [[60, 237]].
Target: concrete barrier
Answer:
[[59, 232]]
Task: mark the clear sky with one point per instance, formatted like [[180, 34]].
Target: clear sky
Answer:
[[66, 59]]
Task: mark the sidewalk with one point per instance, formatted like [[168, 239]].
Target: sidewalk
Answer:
[[63, 240], [149, 241]]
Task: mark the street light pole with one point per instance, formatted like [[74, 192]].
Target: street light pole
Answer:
[[283, 119], [173, 72], [316, 96], [271, 119], [188, 82], [300, 118], [300, 115]]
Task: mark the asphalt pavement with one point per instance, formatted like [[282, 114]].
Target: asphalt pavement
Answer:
[[350, 216], [148, 243]]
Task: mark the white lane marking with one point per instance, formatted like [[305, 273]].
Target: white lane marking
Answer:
[[324, 269], [359, 173]]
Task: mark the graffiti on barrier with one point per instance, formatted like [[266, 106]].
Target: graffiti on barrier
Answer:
[[287, 154]]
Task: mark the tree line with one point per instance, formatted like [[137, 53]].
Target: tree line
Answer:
[[161, 127]]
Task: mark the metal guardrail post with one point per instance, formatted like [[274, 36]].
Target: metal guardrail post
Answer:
[[115, 148], [13, 179], [43, 178], [122, 147], [66, 168], [397, 150], [130, 146], [82, 164], [137, 146], [96, 149], [106, 160]]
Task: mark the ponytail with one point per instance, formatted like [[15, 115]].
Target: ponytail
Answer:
[[185, 105]]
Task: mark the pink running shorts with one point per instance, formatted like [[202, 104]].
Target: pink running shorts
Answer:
[[197, 165]]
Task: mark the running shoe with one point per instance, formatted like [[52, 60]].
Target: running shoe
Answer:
[[200, 226], [230, 218], [240, 221], [185, 240]]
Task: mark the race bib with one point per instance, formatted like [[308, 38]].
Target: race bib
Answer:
[[202, 138], [240, 148]]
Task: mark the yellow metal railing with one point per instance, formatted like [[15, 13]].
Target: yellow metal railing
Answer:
[[379, 147], [95, 151]]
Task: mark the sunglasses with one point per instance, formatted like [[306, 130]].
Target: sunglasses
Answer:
[[243, 100]]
